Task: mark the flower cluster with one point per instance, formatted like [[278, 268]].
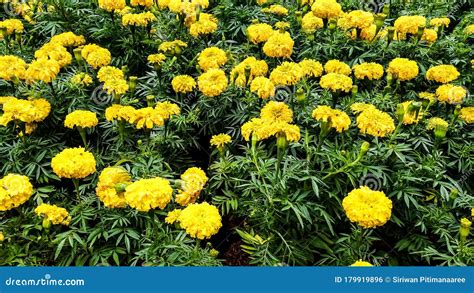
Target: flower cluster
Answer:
[[451, 94], [183, 84], [279, 45], [53, 214], [367, 208], [442, 73], [192, 183], [14, 191], [403, 69], [336, 82], [370, 71], [73, 163], [212, 57], [27, 111], [213, 82], [335, 118], [146, 194], [111, 187], [82, 119], [374, 122], [96, 56]]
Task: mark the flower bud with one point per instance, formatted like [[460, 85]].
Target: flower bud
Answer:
[[453, 194], [46, 224], [421, 30], [300, 95], [310, 37], [125, 69], [214, 252], [386, 9], [299, 16], [400, 112], [355, 90], [150, 100], [78, 55], [332, 23], [440, 131], [247, 73], [120, 187], [464, 229], [364, 148], [132, 82], [282, 143], [391, 33]]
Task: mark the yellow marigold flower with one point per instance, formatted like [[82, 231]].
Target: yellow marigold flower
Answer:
[[451, 94], [442, 73], [279, 45], [288, 73], [55, 52], [109, 72], [192, 183], [200, 220], [82, 119], [147, 118], [469, 29], [290, 131], [435, 122], [116, 87], [12, 67], [156, 59], [371, 71], [81, 79], [336, 82], [259, 32], [44, 70], [367, 208], [427, 96], [147, 194], [139, 19], [54, 214], [73, 163], [14, 191], [361, 263], [375, 122], [108, 188], [403, 69], [173, 47], [276, 9], [310, 23], [207, 24], [119, 112], [277, 112], [96, 56], [326, 9], [212, 82], [257, 127], [429, 35], [173, 216], [311, 68], [410, 117], [220, 140], [212, 57], [250, 66], [27, 111], [144, 3], [336, 66], [167, 109], [337, 119], [440, 21], [263, 87], [409, 25], [2, 237], [183, 84], [359, 19], [68, 39], [11, 26], [467, 115], [112, 5], [282, 25]]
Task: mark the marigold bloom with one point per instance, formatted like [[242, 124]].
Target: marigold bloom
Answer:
[[440, 21], [429, 35], [408, 25], [192, 183], [288, 73], [119, 112], [12, 67], [403, 69], [427, 96], [183, 84], [212, 57], [326, 9], [220, 140], [156, 59], [375, 122], [82, 119], [54, 214], [442, 73], [361, 263], [207, 24], [27, 111], [337, 119], [68, 39], [467, 114], [259, 32], [371, 71], [167, 109], [279, 45], [244, 72], [107, 190], [263, 87], [276, 9], [336, 82], [212, 82], [435, 122], [311, 68], [359, 19], [73, 163], [138, 19], [96, 56], [410, 117], [200, 220], [310, 23], [55, 52], [451, 94], [336, 66], [147, 118], [14, 191], [367, 208], [277, 112], [44, 70], [147, 194], [11, 26], [360, 107]]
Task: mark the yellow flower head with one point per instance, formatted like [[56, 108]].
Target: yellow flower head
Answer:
[[108, 189], [276, 9], [183, 84], [68, 39], [96, 56], [375, 122], [279, 45], [73, 163], [146, 194], [361, 263], [336, 82], [14, 191], [410, 116], [12, 67], [11, 26], [288, 73], [336, 66], [249, 66], [54, 214], [326, 9], [403, 69], [207, 24], [367, 208], [119, 112], [144, 3], [156, 59], [440, 21], [212, 57], [192, 183], [167, 109], [220, 140], [44, 70], [451, 94], [409, 25], [200, 220], [82, 119], [310, 23], [311, 68], [359, 19], [436, 122], [427, 96], [173, 216], [337, 119], [140, 19], [173, 47], [371, 71], [442, 73], [469, 29], [277, 112], [263, 87], [429, 35], [81, 79], [259, 32], [213, 82], [27, 111], [467, 114], [112, 5], [147, 118], [55, 52]]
